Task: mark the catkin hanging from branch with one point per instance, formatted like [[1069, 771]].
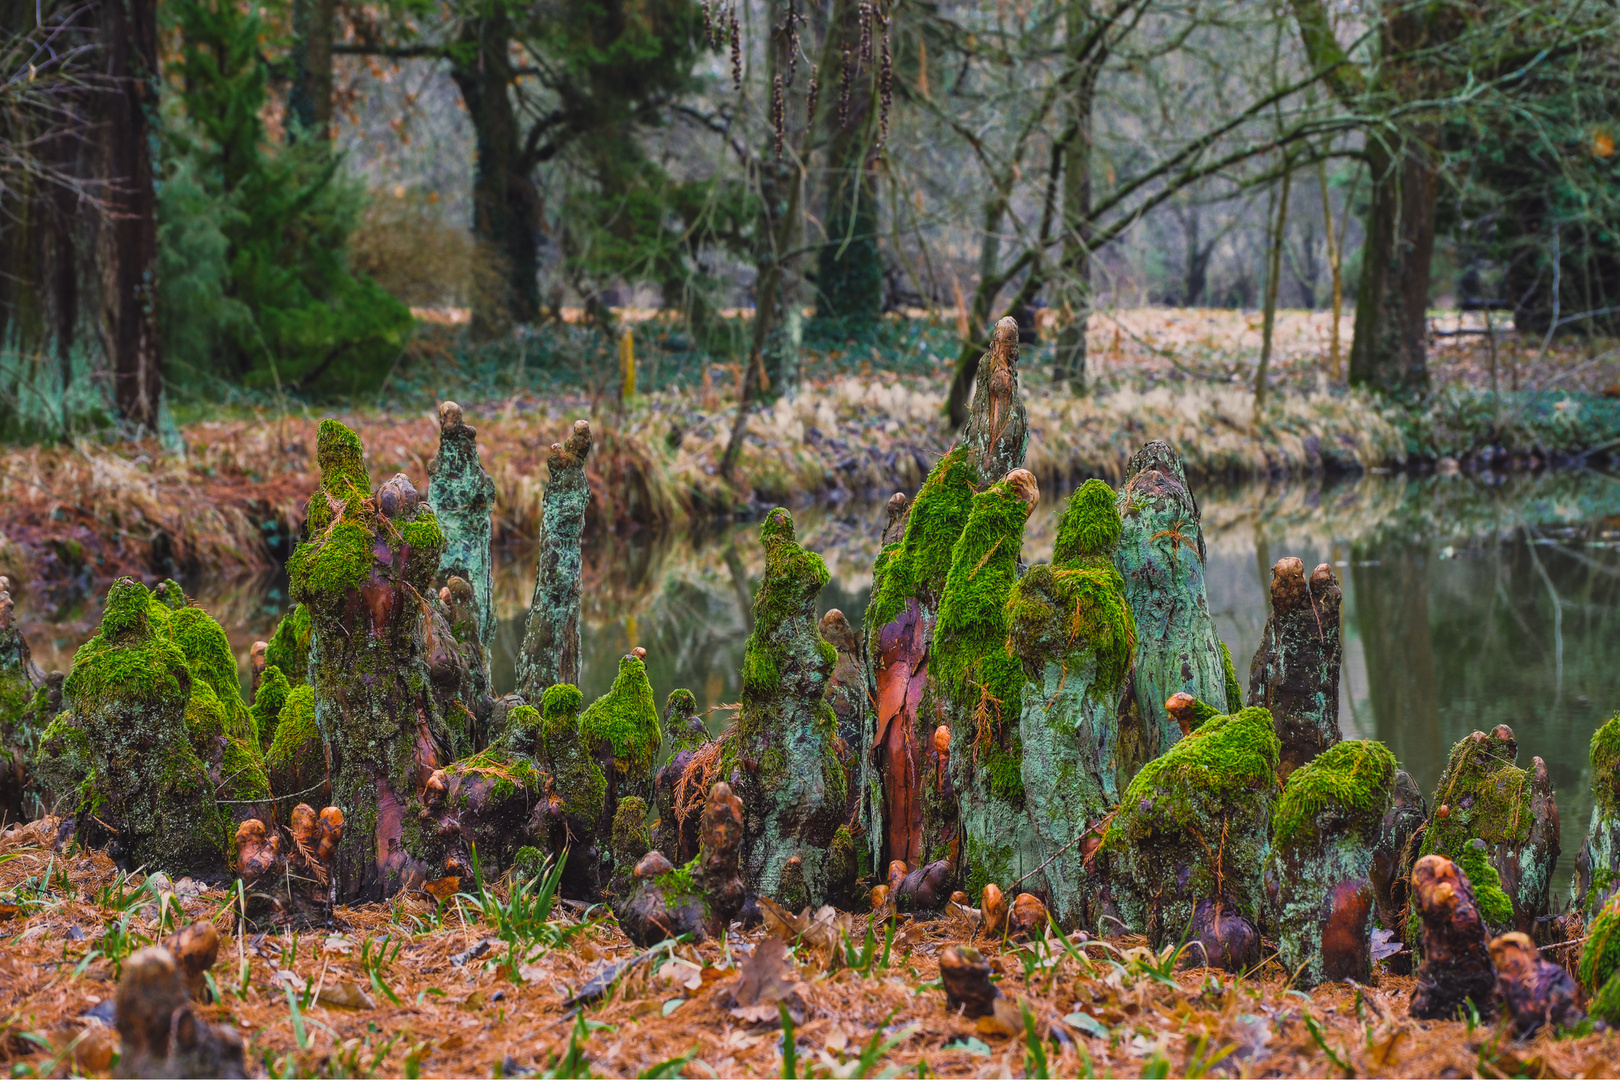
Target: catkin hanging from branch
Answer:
[[736, 49], [885, 85]]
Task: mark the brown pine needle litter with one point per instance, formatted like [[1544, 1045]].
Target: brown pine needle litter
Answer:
[[412, 987]]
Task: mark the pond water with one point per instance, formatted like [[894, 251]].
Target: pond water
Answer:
[[1468, 602]]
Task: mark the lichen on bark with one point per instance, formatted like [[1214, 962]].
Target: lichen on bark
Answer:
[[462, 494], [1192, 826], [1070, 629], [1484, 795], [1295, 672], [781, 758], [550, 652], [1161, 557], [1320, 896]]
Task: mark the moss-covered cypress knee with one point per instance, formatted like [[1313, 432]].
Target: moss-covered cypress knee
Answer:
[[1456, 964], [1161, 556], [550, 652], [24, 702], [1320, 896], [1599, 969], [462, 494], [289, 647], [1072, 631], [1597, 865], [631, 841], [621, 730], [781, 756], [364, 575], [1295, 672], [136, 716], [1484, 795], [1193, 825], [699, 897], [678, 804], [983, 686]]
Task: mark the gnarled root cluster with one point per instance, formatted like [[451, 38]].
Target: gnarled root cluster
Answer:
[[162, 1031]]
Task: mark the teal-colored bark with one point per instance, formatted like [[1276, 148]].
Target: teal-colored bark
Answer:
[[1295, 672], [1597, 866], [983, 686], [1325, 830], [781, 757], [550, 652], [462, 495], [1073, 634], [361, 574], [1484, 795], [1161, 557], [1193, 824]]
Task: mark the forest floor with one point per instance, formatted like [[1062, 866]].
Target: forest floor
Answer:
[[867, 421], [450, 997]]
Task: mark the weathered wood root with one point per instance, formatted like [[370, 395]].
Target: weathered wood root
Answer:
[[1391, 869], [966, 976], [288, 880], [1221, 938], [925, 888], [1456, 964], [162, 1033], [702, 897], [1537, 992]]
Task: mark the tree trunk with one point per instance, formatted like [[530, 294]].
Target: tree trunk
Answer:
[[129, 37], [310, 98], [1069, 360], [506, 202], [1389, 352], [849, 268]]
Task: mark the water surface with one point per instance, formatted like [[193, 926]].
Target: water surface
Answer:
[[1468, 603]]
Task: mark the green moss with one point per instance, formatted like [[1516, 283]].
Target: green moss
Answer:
[[1605, 757], [425, 540], [1345, 789], [289, 645], [759, 672], [626, 718], [268, 702], [528, 864], [333, 563], [631, 837], [126, 609], [1475, 863], [680, 884], [574, 768], [772, 767], [1234, 689], [1487, 797], [1190, 785], [1600, 957], [970, 657], [1090, 524], [1059, 612], [1004, 773], [922, 558], [344, 478], [296, 759], [681, 703]]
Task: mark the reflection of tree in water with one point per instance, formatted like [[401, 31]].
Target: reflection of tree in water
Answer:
[[1522, 630]]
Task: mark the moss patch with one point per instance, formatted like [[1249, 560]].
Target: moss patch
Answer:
[[922, 558], [1493, 903], [626, 718], [1345, 788], [289, 645], [1234, 689]]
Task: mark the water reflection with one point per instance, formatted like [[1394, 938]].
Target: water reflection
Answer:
[[1467, 604]]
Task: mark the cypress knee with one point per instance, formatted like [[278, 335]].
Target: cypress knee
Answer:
[[676, 834], [365, 575], [1073, 634], [1295, 672], [1391, 870], [1320, 894], [1192, 827], [781, 756], [701, 896], [1597, 865], [550, 652], [1500, 823], [462, 495], [1456, 964], [1161, 557], [25, 710]]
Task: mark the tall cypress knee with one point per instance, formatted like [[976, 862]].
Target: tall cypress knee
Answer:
[[365, 575], [781, 756], [1295, 672], [1161, 557], [550, 653], [462, 494]]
